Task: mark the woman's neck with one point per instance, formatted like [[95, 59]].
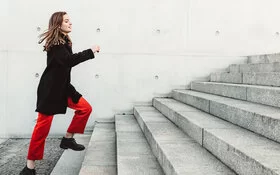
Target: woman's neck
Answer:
[[65, 34]]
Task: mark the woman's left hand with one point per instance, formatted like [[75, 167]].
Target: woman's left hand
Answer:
[[95, 49]]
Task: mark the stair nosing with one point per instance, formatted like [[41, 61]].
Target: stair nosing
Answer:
[[240, 85]]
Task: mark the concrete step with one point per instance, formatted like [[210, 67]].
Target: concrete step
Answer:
[[259, 78], [257, 94], [226, 77], [257, 67], [100, 157], [70, 161], [269, 58], [176, 152], [262, 119], [134, 155], [243, 151]]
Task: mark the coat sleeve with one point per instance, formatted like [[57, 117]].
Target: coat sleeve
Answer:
[[65, 58]]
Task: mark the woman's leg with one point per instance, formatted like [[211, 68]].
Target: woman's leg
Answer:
[[82, 113], [78, 124], [37, 143]]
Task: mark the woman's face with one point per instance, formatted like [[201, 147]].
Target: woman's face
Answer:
[[66, 26]]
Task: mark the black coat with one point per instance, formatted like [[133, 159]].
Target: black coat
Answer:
[[54, 87]]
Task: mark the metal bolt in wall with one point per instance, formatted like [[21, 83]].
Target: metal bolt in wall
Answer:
[[37, 75], [156, 77], [98, 30], [277, 33], [38, 29], [96, 76], [217, 33]]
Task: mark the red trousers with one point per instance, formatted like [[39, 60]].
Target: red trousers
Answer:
[[43, 125]]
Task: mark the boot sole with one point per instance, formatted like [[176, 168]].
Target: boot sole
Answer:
[[72, 149], [63, 147]]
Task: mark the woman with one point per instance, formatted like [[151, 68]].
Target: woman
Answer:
[[55, 92]]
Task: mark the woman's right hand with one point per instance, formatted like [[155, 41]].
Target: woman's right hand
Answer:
[[95, 48]]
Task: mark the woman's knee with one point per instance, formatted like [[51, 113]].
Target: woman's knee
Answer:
[[89, 109], [86, 107]]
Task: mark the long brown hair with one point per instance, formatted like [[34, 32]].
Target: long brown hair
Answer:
[[53, 36]]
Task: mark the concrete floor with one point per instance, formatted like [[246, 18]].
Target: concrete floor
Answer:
[[13, 154]]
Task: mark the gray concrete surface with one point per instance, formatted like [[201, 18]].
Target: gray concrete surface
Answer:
[[169, 109], [224, 89], [71, 161], [258, 118], [134, 155], [270, 58], [262, 78], [260, 67], [13, 153], [259, 78], [177, 153], [255, 67], [264, 95], [234, 68], [259, 94], [100, 157], [174, 106], [242, 150], [226, 77]]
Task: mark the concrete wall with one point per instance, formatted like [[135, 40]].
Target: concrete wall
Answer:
[[245, 27], [173, 40]]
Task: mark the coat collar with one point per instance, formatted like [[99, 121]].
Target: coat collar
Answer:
[[66, 39]]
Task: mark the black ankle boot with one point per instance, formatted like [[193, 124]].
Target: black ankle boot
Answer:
[[27, 171], [71, 143]]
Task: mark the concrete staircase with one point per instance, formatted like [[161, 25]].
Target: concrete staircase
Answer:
[[134, 155], [100, 155], [230, 125]]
